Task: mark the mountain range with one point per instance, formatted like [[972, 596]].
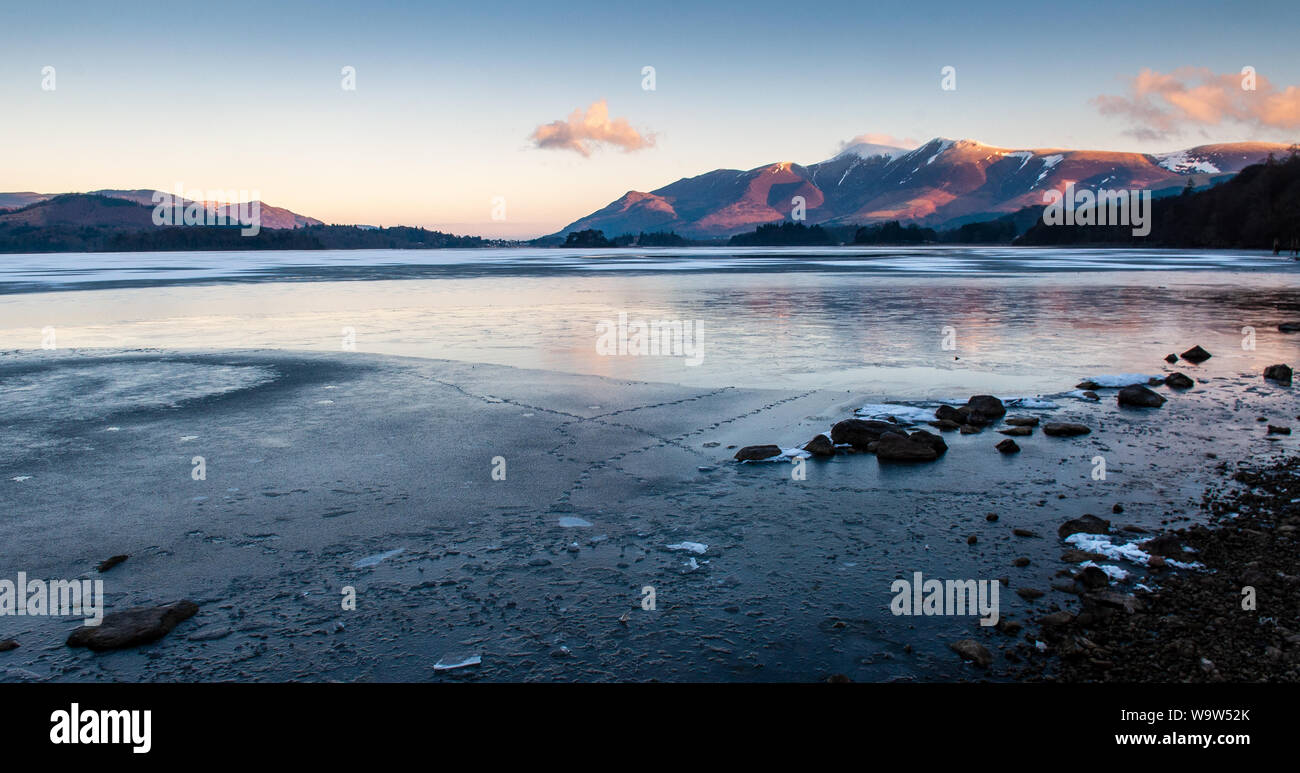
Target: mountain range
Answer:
[[87, 210], [943, 183]]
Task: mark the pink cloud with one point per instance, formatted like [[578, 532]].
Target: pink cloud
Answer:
[[1162, 105], [584, 132]]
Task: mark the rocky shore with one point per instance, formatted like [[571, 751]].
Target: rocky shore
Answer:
[[1216, 602], [1235, 618]]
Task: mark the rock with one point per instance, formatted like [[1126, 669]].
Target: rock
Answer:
[[931, 440], [1171, 358], [1289, 327], [1196, 355], [1008, 446], [838, 679], [1057, 618], [1020, 532], [971, 650], [1076, 556], [1117, 508], [1088, 524], [1017, 431], [991, 517], [1091, 395], [987, 405], [1112, 600], [1009, 627], [112, 561], [1167, 545], [1279, 373], [1088, 384], [1021, 562], [1029, 594], [1064, 429], [820, 446], [1023, 421], [1179, 381], [752, 453], [859, 432], [1092, 578], [945, 425], [897, 448], [1140, 397], [133, 627], [8, 644], [972, 539], [1275, 430], [967, 429], [949, 413]]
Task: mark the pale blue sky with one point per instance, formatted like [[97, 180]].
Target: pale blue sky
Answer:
[[247, 95]]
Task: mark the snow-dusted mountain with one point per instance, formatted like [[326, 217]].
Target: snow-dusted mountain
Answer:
[[942, 182]]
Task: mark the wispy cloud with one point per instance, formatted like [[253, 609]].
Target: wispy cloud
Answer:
[[1162, 105], [583, 132], [873, 138]]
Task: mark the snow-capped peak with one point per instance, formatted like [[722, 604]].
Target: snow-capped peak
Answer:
[[871, 150]]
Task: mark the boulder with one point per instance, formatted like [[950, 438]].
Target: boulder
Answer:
[[1139, 397], [1171, 358], [820, 446], [1023, 421], [1179, 381], [1167, 545], [945, 425], [1008, 446], [8, 644], [133, 627], [1092, 578], [1276, 430], [987, 405], [1196, 355], [949, 413], [1063, 617], [859, 432], [1087, 524], [898, 448], [1279, 373], [930, 439], [971, 650], [967, 429], [1017, 431], [1289, 327], [753, 453], [1064, 429]]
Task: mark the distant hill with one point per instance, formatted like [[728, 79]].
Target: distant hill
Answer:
[[81, 222], [271, 217], [1261, 203], [941, 184]]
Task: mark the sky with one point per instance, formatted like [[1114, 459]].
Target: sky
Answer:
[[486, 118]]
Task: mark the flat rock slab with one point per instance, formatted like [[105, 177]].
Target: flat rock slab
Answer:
[[1064, 429], [133, 627]]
